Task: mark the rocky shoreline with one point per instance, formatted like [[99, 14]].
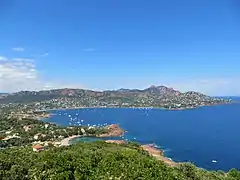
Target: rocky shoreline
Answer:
[[157, 153], [114, 130]]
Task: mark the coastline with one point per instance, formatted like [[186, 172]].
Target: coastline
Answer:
[[158, 154], [54, 109], [66, 141], [154, 152], [69, 108], [137, 107], [47, 114], [116, 131]]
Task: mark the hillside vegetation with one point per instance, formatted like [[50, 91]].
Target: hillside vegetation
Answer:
[[154, 96], [97, 160]]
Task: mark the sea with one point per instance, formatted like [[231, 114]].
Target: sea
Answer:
[[208, 136]]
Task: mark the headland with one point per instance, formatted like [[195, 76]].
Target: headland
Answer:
[[157, 153]]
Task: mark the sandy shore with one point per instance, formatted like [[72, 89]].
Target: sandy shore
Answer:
[[66, 141], [114, 130]]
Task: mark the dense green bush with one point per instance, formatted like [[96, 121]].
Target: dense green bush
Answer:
[[97, 160]]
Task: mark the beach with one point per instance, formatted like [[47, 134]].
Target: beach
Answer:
[[113, 130], [66, 141]]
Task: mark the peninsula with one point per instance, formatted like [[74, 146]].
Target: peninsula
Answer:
[[154, 96]]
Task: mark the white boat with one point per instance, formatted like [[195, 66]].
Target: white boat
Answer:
[[214, 161]]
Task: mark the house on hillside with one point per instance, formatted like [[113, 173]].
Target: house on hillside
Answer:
[[36, 136], [38, 148]]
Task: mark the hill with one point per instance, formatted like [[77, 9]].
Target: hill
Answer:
[[154, 96]]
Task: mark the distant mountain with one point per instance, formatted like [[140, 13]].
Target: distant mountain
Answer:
[[162, 90], [154, 90], [160, 96]]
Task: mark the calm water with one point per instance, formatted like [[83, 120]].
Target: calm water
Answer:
[[197, 135]]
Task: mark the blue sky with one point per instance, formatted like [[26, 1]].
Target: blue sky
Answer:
[[106, 44]]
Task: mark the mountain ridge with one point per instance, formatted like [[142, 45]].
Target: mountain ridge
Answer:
[[153, 96], [72, 92], [152, 88]]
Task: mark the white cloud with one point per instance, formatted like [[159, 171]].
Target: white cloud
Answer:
[[16, 75], [89, 49], [18, 49], [21, 74]]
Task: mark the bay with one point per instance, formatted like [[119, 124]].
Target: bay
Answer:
[[207, 136]]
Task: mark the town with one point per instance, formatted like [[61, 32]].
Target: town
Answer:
[[154, 96]]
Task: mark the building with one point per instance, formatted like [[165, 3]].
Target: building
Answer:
[[36, 136], [38, 148]]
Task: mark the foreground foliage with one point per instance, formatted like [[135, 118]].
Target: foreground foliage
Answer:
[[97, 160]]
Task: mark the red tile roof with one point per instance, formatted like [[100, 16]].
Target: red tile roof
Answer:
[[38, 146]]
